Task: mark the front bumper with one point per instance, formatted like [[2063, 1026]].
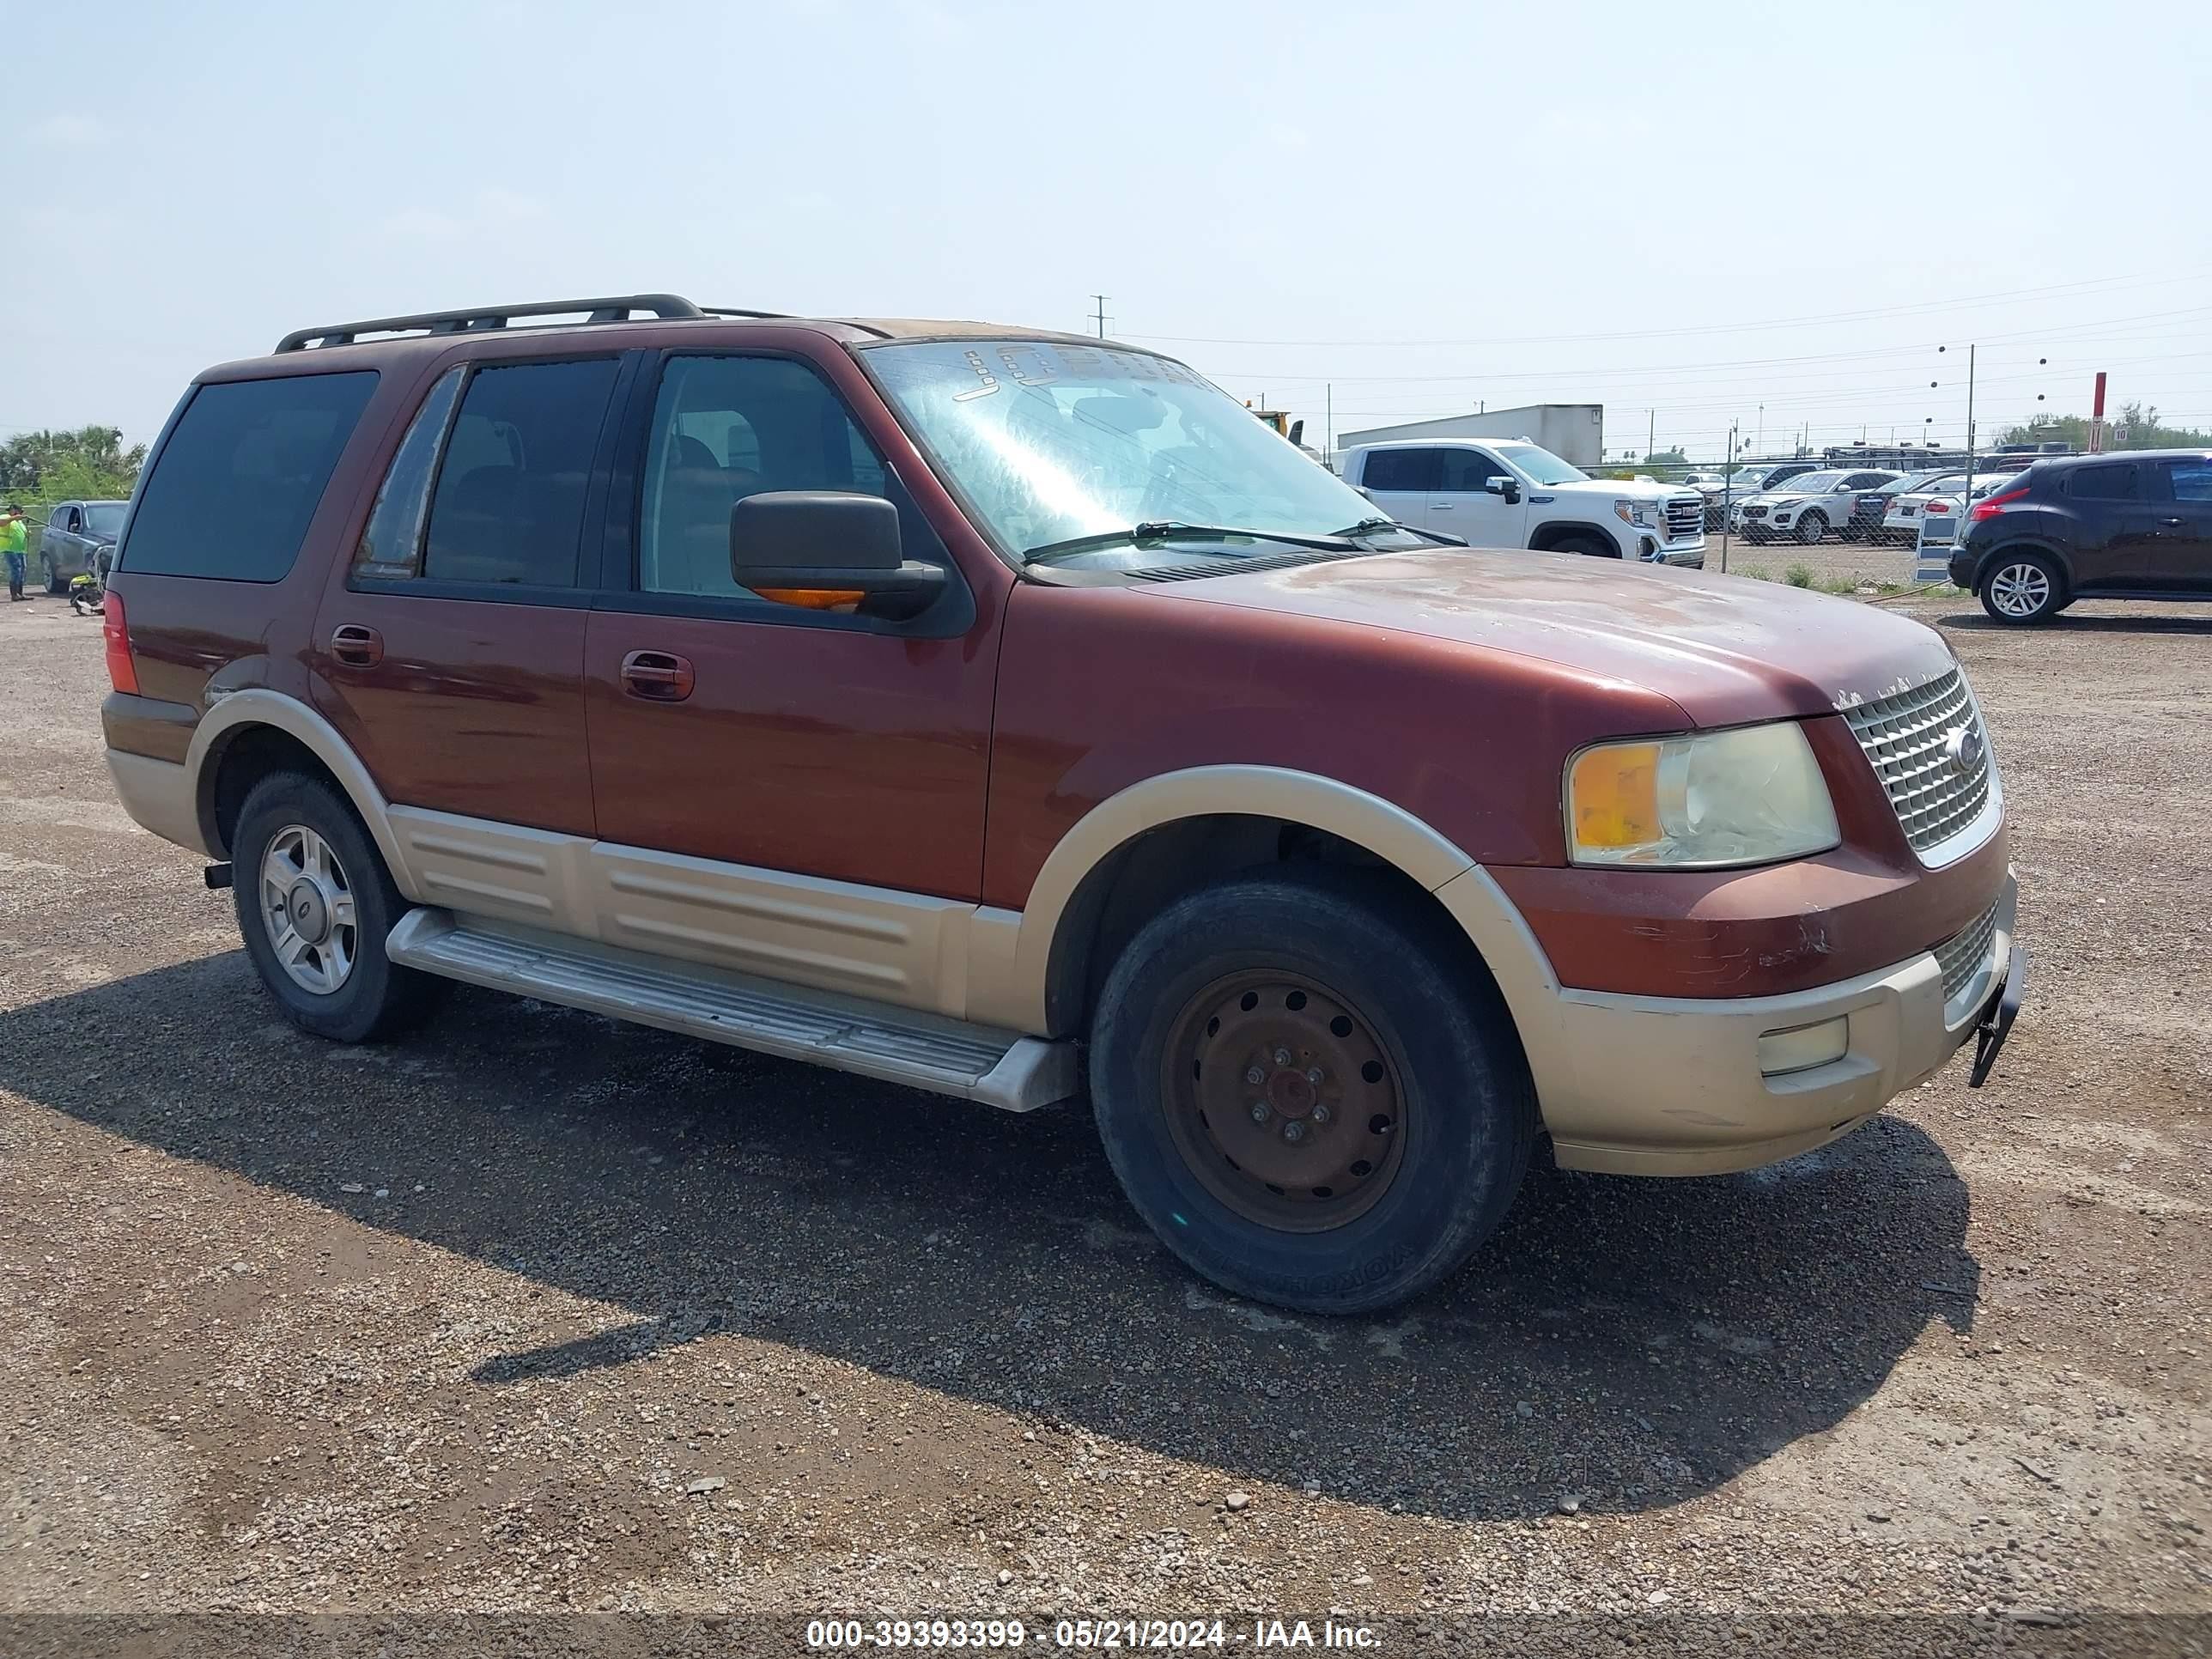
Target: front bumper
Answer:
[[1666, 1085]]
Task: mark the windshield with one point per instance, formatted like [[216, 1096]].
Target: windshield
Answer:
[[1913, 482], [1810, 483], [1052, 441], [1540, 463], [105, 518]]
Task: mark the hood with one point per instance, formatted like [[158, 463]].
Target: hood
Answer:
[[1628, 489], [1725, 649]]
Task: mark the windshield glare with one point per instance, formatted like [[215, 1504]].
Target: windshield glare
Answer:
[[104, 518], [1541, 465], [1807, 484], [1051, 441]]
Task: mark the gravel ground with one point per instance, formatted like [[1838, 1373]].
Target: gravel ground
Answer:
[[536, 1312]]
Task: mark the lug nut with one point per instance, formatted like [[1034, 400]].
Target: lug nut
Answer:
[[1259, 1111], [1294, 1130], [1320, 1114], [1282, 1056], [1257, 1076], [1313, 1074]]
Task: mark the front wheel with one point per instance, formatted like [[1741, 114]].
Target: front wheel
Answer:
[[1309, 1090], [55, 582], [314, 905], [2023, 587], [1812, 528], [1589, 546]]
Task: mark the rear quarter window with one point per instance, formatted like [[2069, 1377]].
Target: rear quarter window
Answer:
[[241, 476]]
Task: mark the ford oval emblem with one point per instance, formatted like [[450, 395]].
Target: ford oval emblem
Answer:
[[1963, 748]]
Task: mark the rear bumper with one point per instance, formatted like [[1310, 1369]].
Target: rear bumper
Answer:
[[1662, 1085], [158, 796]]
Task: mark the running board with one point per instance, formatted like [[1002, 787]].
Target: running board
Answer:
[[946, 1056]]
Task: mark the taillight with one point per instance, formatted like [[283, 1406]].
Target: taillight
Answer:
[[1995, 505], [122, 672], [1938, 507]]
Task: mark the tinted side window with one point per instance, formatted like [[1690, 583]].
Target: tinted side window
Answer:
[[728, 427], [1401, 468], [240, 476], [2191, 480], [509, 504], [392, 543], [2104, 484], [1468, 469]]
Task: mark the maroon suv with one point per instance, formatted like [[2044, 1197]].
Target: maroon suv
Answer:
[[1012, 715]]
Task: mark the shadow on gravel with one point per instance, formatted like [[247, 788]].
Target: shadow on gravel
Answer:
[[1632, 1343], [1978, 620]]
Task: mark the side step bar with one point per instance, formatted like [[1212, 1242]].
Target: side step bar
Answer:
[[999, 1068]]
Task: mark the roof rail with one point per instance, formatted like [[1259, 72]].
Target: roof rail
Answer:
[[614, 309]]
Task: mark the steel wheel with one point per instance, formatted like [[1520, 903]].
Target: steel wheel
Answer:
[[2021, 591], [308, 907], [1282, 1101]]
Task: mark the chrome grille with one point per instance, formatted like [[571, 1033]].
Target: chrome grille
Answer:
[[1685, 518], [1907, 737], [1966, 951]]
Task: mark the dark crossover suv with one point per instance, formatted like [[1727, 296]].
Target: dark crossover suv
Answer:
[[1011, 716], [2134, 526]]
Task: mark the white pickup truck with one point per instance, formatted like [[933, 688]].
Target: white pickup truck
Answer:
[[1510, 493]]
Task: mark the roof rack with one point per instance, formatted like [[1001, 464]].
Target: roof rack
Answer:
[[616, 308]]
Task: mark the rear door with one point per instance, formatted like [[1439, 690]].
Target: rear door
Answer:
[[1462, 506], [2117, 545], [449, 649], [2181, 492], [1401, 481]]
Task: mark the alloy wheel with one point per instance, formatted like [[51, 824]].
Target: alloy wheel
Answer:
[[2020, 590], [308, 911]]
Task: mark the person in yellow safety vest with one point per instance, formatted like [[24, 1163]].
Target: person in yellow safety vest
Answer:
[[13, 539]]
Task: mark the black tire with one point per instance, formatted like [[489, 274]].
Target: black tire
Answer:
[[377, 998], [56, 584], [1467, 1110], [1813, 527], [1590, 547], [2008, 591]]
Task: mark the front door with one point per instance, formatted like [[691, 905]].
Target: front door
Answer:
[[2181, 498], [792, 792], [449, 649], [1463, 505]]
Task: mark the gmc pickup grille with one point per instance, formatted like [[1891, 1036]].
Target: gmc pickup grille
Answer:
[[1685, 518], [1931, 751]]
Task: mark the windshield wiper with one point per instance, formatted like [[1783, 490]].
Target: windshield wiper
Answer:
[[1174, 531], [1369, 527]]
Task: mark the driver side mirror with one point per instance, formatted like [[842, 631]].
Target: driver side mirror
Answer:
[[825, 550], [1509, 488]]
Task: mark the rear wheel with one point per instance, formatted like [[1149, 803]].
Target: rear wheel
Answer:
[[2023, 587], [1309, 1091], [1813, 527], [314, 905]]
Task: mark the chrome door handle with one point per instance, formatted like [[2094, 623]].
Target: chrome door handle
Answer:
[[1441, 507], [356, 647], [2176, 523], [658, 676]]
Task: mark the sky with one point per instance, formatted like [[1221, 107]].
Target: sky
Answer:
[[1698, 215]]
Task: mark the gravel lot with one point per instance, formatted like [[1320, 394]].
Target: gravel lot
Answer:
[[538, 1312]]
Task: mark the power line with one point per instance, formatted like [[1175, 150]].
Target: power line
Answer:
[[2102, 284]]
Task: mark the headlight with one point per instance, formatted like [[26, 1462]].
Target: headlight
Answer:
[[1636, 512], [1707, 801]]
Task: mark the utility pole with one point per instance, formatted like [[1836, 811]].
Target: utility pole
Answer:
[[1759, 442], [1727, 490], [1650, 433], [1102, 299], [1328, 425]]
